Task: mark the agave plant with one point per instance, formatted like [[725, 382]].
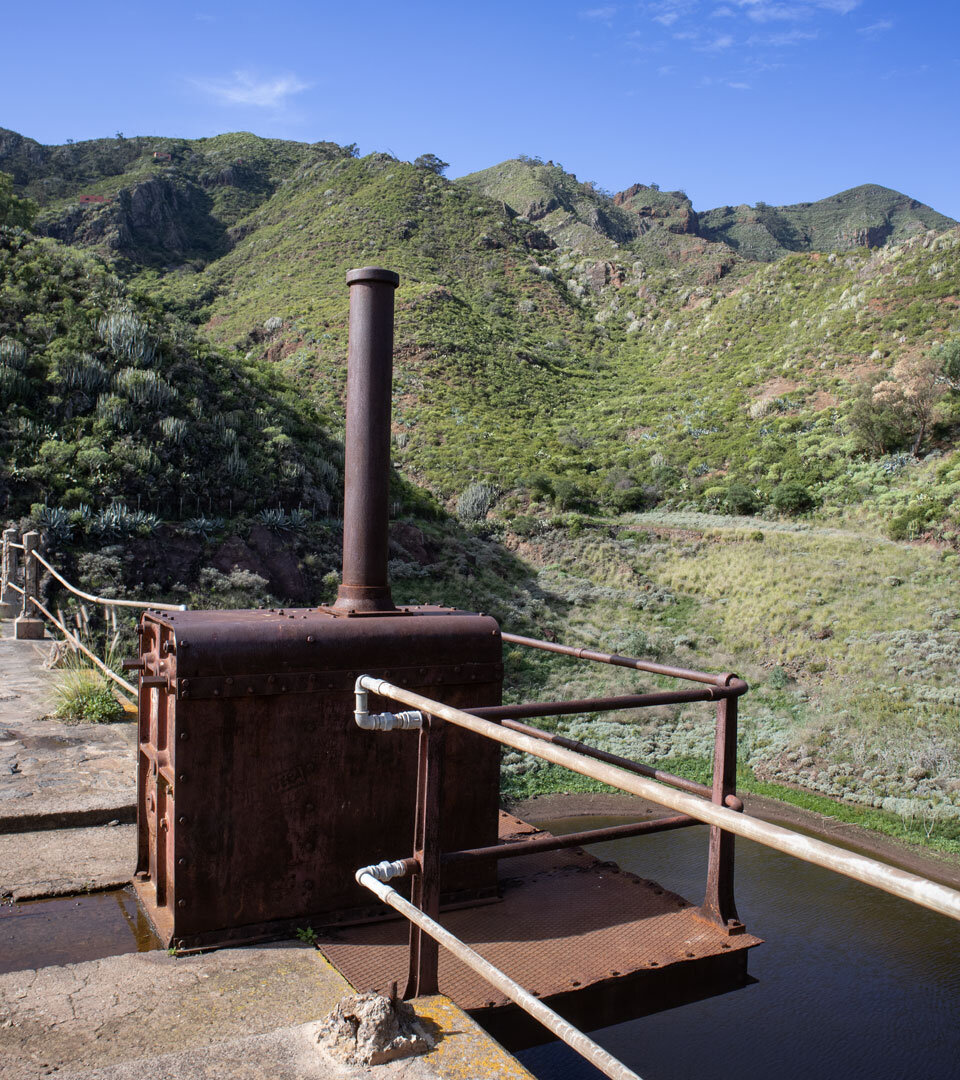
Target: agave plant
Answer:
[[299, 519], [117, 522], [275, 520], [202, 527], [56, 525]]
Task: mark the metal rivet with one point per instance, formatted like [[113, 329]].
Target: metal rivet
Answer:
[[271, 679], [181, 862], [182, 820], [216, 693], [182, 778], [185, 693], [184, 683], [283, 689], [229, 680], [249, 689], [184, 644], [181, 903], [310, 638], [183, 736]]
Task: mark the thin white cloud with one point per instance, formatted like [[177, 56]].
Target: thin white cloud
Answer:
[[601, 13], [738, 85], [244, 88], [876, 28], [774, 11], [724, 41], [668, 18], [722, 12], [788, 37]]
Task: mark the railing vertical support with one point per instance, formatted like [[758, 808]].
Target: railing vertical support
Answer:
[[719, 905], [9, 600], [28, 625], [425, 888]]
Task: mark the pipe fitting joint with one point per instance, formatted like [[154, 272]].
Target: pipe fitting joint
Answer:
[[383, 871]]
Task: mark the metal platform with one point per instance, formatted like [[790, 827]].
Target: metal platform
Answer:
[[596, 943]]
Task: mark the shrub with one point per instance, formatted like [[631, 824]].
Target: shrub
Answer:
[[916, 519], [792, 497], [475, 502], [741, 499]]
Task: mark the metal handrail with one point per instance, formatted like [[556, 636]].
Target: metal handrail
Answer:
[[897, 882], [103, 599], [16, 588], [564, 1030], [581, 653], [17, 547]]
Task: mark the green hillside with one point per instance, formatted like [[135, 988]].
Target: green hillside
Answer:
[[865, 216], [652, 432]]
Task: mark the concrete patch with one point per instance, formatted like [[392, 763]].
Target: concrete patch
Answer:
[[58, 862]]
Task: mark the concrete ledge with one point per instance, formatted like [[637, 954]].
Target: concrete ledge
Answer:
[[58, 863], [25, 629]]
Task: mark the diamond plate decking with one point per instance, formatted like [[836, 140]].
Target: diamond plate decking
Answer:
[[595, 942]]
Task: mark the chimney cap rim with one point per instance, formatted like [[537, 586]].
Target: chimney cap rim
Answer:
[[373, 273]]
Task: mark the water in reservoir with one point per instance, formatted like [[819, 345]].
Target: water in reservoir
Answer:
[[851, 984]]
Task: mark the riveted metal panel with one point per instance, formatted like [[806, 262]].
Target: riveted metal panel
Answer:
[[257, 807]]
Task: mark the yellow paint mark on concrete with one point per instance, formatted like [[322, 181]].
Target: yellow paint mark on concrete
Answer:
[[464, 1051]]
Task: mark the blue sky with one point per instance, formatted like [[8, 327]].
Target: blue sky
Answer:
[[731, 100]]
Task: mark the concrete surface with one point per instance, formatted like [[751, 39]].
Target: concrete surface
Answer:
[[57, 862], [53, 774], [234, 1013]]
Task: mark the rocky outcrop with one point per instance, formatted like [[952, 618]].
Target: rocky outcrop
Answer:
[[165, 219]]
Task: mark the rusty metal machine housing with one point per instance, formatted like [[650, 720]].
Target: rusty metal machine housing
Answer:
[[258, 796]]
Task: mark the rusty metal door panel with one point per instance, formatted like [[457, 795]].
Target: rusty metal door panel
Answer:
[[271, 796]]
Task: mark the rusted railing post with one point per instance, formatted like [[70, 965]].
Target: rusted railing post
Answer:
[[366, 482], [9, 600], [425, 888], [719, 905], [28, 625]]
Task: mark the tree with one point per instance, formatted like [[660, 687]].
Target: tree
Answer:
[[13, 209], [431, 163], [913, 388]]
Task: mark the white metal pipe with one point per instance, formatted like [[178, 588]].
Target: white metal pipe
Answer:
[[900, 883], [103, 599], [573, 1037]]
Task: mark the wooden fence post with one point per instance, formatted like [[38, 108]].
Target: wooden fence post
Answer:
[[9, 600], [28, 625]]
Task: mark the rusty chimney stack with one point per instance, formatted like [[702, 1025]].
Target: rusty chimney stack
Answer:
[[366, 495]]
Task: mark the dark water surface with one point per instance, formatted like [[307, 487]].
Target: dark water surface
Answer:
[[70, 929], [851, 984]]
